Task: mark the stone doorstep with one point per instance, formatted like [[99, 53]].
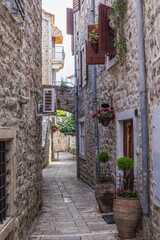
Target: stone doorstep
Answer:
[[107, 234]]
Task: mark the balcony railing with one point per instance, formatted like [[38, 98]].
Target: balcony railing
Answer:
[[58, 83], [58, 53]]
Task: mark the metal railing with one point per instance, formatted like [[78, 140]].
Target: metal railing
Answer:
[[58, 83], [58, 53], [20, 8], [3, 182]]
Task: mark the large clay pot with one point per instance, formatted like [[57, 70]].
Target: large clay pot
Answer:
[[104, 194], [127, 215]]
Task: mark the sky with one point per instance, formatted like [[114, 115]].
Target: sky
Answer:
[[58, 8]]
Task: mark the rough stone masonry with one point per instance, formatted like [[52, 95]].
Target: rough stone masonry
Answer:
[[20, 88]]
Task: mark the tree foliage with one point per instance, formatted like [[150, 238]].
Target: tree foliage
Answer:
[[68, 125]]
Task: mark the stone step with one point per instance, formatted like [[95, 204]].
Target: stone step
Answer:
[[107, 235]]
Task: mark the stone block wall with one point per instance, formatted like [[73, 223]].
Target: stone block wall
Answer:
[[119, 85], [152, 53], [60, 142], [20, 87]]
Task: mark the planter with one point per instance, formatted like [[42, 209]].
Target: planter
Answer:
[[105, 122], [127, 215], [95, 47], [104, 194]]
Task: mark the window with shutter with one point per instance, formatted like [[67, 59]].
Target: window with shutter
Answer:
[[76, 5], [70, 27], [106, 33], [80, 68], [156, 156], [92, 57]]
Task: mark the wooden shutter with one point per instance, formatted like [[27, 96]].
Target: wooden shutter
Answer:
[[70, 27], [85, 62], [76, 5], [72, 44], [106, 33], [92, 57], [80, 68]]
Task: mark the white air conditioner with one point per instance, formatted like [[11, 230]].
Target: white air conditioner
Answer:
[[49, 100], [49, 106]]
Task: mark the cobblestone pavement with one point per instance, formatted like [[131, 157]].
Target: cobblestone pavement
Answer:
[[69, 210]]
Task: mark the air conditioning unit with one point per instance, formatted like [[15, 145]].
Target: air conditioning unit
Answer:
[[49, 100], [49, 106]]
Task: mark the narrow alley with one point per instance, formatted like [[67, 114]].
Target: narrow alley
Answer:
[[69, 209]]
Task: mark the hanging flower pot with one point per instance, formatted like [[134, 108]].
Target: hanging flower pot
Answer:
[[105, 115], [94, 45], [105, 122]]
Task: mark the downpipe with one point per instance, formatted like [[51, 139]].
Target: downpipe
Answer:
[[94, 98], [76, 98], [143, 102]]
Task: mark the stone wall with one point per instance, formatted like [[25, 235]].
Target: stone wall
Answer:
[[20, 81], [60, 142], [152, 46], [65, 99], [119, 85]]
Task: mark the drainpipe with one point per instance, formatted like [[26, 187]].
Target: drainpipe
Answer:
[[94, 97], [76, 98], [143, 100], [47, 20]]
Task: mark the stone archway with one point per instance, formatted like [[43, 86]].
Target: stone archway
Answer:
[[65, 99]]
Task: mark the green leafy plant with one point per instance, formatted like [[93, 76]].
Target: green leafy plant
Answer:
[[63, 85], [103, 157], [117, 14], [126, 193], [67, 125], [93, 35], [125, 164]]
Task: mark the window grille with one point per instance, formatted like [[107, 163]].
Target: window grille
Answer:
[[3, 183]]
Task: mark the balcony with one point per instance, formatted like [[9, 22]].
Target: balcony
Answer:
[[58, 58]]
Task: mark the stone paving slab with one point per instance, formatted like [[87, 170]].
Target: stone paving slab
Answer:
[[69, 209]]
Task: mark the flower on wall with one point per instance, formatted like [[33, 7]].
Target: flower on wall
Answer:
[[106, 113]]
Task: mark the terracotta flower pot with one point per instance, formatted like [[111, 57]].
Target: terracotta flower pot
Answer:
[[104, 194], [95, 47], [105, 122], [127, 215]]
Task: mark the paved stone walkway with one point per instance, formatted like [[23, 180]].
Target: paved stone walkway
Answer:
[[69, 210]]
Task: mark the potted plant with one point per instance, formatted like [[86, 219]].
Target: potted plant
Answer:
[[105, 115], [93, 38], [126, 205], [105, 186]]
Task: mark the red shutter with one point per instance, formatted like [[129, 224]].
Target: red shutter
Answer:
[[70, 28], [106, 33], [76, 5], [80, 68], [92, 57], [72, 44]]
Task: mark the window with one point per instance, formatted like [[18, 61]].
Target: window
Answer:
[[16, 8], [3, 182], [81, 137], [7, 181]]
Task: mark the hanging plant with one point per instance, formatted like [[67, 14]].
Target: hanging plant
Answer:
[[93, 38], [117, 14]]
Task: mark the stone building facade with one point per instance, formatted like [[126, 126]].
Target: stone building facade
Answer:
[[20, 131], [119, 86]]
